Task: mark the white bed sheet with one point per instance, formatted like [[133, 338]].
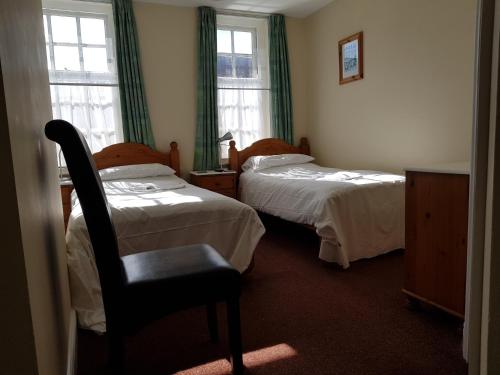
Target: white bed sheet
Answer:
[[358, 214], [154, 213]]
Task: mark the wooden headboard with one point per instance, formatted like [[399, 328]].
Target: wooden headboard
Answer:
[[267, 146], [136, 153]]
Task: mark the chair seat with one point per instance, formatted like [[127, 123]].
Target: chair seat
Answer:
[[162, 281]]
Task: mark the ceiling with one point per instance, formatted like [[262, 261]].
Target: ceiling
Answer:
[[292, 8]]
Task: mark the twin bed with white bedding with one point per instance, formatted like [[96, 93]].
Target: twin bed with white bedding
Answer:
[[152, 208], [357, 214]]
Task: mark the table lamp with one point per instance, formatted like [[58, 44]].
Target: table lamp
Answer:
[[226, 137]]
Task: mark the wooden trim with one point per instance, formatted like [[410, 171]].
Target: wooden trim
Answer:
[[175, 160], [136, 153], [359, 37], [429, 302], [267, 146], [486, 75], [72, 353]]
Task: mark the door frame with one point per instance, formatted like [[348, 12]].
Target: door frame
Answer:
[[482, 322]]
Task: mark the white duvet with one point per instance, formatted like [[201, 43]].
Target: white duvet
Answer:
[[358, 214], [154, 213]]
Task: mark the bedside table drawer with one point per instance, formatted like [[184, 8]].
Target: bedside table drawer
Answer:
[[216, 182], [231, 193], [220, 182]]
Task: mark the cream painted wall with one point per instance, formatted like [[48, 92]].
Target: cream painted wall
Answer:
[[167, 39], [299, 69], [33, 282], [414, 104]]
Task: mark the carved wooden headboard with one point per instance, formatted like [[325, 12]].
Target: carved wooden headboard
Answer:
[[268, 146], [136, 153]]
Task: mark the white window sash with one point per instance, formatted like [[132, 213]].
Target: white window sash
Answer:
[[243, 103], [89, 100]]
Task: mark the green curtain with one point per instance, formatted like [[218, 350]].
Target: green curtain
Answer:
[[281, 91], [206, 154], [135, 114]]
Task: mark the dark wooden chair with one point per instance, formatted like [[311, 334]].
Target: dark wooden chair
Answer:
[[138, 289]]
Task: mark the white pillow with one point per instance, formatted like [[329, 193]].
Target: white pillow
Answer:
[[135, 171], [257, 163]]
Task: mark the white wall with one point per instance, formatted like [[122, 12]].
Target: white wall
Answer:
[[167, 42], [414, 104]]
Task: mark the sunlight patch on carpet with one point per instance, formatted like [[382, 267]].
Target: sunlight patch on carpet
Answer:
[[256, 358]]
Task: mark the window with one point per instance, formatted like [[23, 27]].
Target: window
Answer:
[[82, 69], [243, 79]]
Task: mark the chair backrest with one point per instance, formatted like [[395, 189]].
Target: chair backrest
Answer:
[[88, 186]]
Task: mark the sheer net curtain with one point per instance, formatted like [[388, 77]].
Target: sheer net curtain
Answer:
[[83, 78], [245, 113], [92, 109], [244, 98]]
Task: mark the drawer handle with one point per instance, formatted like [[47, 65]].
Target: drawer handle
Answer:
[[427, 215], [217, 184]]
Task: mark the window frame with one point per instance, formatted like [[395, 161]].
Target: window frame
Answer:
[[233, 54], [84, 78], [259, 83], [53, 9], [261, 44], [79, 44]]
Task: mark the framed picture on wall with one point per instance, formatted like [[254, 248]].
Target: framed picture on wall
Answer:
[[351, 58]]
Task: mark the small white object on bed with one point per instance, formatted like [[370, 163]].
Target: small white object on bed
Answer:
[[357, 213], [153, 213]]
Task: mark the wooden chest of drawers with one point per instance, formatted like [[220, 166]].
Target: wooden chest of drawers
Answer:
[[436, 239], [219, 182]]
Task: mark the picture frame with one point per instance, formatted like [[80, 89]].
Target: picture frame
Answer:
[[351, 58]]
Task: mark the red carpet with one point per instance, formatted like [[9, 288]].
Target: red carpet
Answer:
[[301, 316]]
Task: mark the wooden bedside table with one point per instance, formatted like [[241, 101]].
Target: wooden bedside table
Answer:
[[219, 182], [66, 189]]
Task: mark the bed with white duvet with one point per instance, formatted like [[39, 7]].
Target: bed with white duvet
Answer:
[[357, 213], [155, 212]]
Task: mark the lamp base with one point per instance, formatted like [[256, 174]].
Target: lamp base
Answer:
[[220, 170]]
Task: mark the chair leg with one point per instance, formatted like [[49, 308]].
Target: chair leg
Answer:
[[233, 317], [212, 321], [116, 353]]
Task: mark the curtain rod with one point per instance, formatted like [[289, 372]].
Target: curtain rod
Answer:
[[241, 13]]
